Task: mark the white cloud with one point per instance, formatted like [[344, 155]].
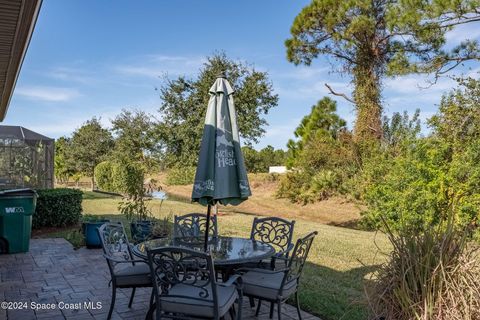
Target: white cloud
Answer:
[[303, 73], [153, 66], [52, 94], [73, 75], [413, 91], [463, 32]]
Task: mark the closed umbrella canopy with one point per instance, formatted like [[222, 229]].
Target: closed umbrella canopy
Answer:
[[221, 176]]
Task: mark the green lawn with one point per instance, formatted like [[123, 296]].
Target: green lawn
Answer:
[[340, 260]]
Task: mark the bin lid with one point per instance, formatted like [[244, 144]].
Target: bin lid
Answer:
[[17, 192]]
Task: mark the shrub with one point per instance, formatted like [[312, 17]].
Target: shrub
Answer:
[[180, 175], [292, 185], [431, 275], [104, 176], [324, 167], [414, 190], [264, 177], [304, 187], [129, 179], [57, 208]]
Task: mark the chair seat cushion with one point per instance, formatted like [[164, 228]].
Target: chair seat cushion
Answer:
[[197, 306], [267, 285], [266, 264], [133, 275]]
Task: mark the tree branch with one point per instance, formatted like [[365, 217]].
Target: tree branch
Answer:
[[343, 95]]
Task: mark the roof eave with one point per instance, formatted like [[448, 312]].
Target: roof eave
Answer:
[[25, 26]]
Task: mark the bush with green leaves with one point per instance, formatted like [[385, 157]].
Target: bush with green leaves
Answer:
[[57, 208], [323, 159], [264, 177], [104, 176], [129, 179], [323, 167], [415, 182], [180, 175], [415, 190]]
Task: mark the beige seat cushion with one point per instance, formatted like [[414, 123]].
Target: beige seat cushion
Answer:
[[197, 306], [133, 275], [267, 285]]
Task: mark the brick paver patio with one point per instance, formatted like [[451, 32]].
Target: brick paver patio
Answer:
[[54, 273]]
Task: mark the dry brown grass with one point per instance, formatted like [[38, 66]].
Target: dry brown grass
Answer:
[[335, 211], [432, 275]]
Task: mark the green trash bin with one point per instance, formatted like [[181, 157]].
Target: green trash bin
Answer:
[[16, 209]]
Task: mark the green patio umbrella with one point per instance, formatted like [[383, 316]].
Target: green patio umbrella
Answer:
[[221, 176]]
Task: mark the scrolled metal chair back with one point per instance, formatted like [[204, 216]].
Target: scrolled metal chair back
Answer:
[[274, 231], [115, 241], [194, 225], [299, 256], [172, 266]]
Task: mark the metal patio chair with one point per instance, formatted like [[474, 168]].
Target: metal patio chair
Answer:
[[185, 286], [125, 271], [193, 225], [276, 286], [276, 232]]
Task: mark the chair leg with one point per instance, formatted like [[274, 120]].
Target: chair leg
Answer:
[[112, 303], [279, 309], [252, 302], [258, 307], [131, 297], [151, 296], [298, 306], [240, 302], [151, 309], [271, 309]]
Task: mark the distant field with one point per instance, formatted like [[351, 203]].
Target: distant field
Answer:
[[334, 211], [340, 260]]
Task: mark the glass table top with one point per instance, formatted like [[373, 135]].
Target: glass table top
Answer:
[[224, 250]]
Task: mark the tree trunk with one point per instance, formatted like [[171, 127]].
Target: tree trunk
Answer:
[[367, 96], [93, 183]]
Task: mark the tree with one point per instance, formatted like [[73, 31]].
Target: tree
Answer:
[[184, 103], [458, 119], [322, 157], [261, 161], [135, 140], [64, 166], [321, 122], [374, 39], [90, 145]]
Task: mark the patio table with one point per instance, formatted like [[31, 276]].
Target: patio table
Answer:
[[228, 253]]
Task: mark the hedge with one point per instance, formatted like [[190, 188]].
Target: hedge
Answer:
[[104, 176], [57, 208]]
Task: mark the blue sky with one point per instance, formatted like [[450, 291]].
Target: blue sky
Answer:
[[92, 58]]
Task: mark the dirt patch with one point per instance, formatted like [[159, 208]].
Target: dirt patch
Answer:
[[39, 233]]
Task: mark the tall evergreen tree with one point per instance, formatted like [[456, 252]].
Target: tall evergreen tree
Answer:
[[321, 122], [372, 39]]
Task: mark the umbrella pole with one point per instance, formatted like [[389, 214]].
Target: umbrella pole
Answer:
[[207, 227]]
